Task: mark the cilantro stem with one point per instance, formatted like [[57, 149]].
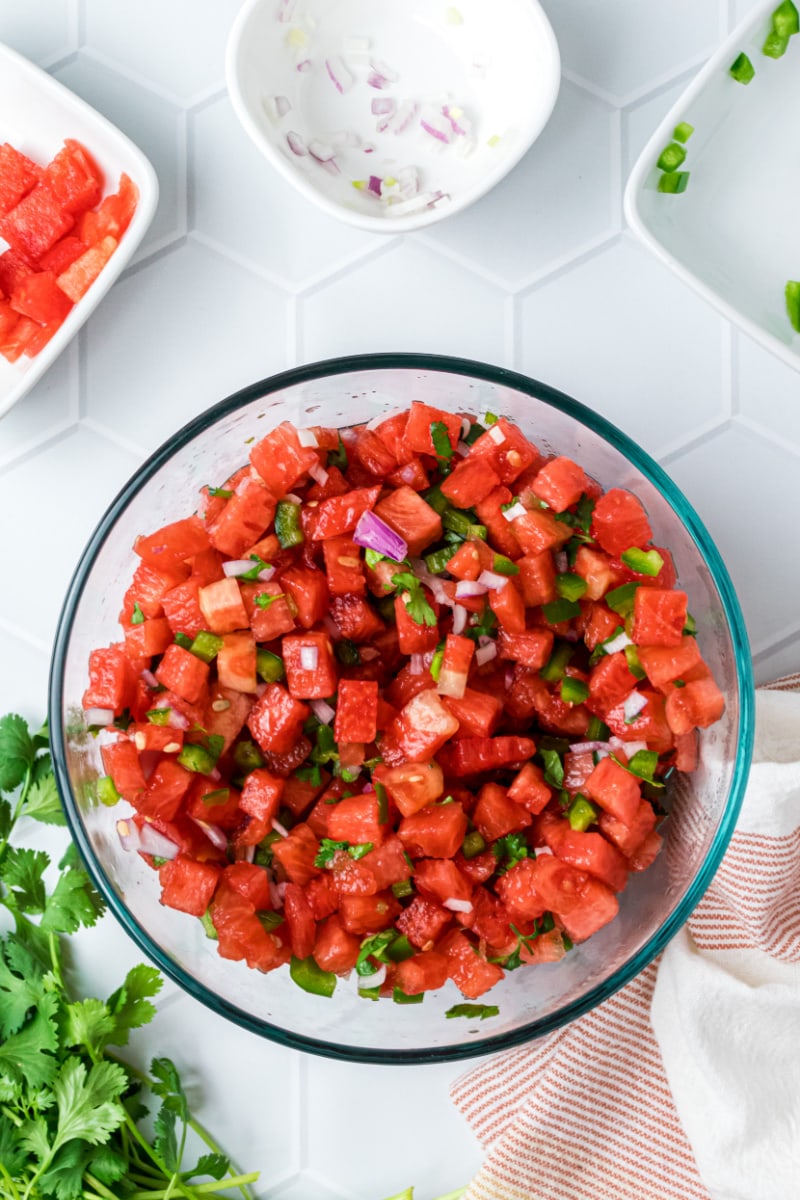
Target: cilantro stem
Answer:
[[202, 1189], [9, 1182], [23, 796], [11, 1116], [194, 1125], [99, 1187]]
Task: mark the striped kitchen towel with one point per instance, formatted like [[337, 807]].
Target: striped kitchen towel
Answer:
[[685, 1085]]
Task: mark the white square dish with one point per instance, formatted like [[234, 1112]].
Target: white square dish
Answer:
[[733, 234], [36, 114]]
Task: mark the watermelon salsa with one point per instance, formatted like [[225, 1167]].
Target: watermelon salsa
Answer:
[[60, 232], [401, 698]]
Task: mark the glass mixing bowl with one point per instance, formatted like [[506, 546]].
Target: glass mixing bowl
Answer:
[[532, 1001]]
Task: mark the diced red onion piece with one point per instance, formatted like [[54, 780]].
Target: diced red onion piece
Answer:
[[176, 719], [417, 664], [633, 705], [436, 130], [153, 842], [214, 834], [277, 107], [452, 683], [339, 73], [99, 716], [407, 473], [281, 829], [149, 678], [470, 587], [296, 144], [404, 117], [540, 850], [617, 643], [492, 580], [292, 498], [322, 711], [244, 854], [128, 834], [561, 561], [497, 435], [374, 185], [282, 890], [404, 208], [376, 80], [455, 117], [368, 653], [466, 425], [265, 575], [375, 534], [236, 566], [286, 9], [462, 449], [627, 748], [485, 654], [571, 635], [371, 981], [307, 437], [309, 657], [275, 897], [383, 104], [318, 474], [305, 65], [588, 747], [323, 153], [331, 166], [261, 687], [380, 66], [455, 905], [459, 617]]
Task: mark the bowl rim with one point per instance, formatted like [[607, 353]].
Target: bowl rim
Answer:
[[145, 179], [420, 220], [671, 493], [636, 185]]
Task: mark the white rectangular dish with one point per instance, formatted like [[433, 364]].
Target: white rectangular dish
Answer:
[[36, 114], [733, 235]]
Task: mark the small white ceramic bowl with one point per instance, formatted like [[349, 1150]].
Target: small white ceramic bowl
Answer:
[[36, 114], [391, 116], [733, 235]]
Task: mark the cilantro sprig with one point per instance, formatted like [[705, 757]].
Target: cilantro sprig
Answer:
[[413, 597], [72, 1117]]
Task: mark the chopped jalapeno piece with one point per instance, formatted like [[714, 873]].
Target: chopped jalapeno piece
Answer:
[[269, 666], [683, 131], [674, 182], [741, 69], [775, 46], [671, 157], [288, 529], [570, 587], [620, 599], [473, 845], [643, 562], [581, 813], [556, 666], [560, 610], [574, 691], [106, 791], [437, 561], [786, 19], [793, 303], [401, 997], [206, 645], [504, 566], [311, 978]]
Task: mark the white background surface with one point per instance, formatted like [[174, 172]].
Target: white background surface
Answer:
[[238, 278]]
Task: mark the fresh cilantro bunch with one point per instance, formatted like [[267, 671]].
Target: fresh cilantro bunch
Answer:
[[71, 1112]]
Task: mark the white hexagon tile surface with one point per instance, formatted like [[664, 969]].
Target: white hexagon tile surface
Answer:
[[239, 278]]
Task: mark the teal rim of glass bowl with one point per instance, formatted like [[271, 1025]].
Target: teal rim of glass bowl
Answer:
[[744, 678]]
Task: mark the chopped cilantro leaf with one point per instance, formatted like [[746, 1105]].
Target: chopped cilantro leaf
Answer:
[[264, 600], [553, 768], [473, 1011], [441, 444], [509, 850], [220, 493], [254, 571], [414, 599]]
